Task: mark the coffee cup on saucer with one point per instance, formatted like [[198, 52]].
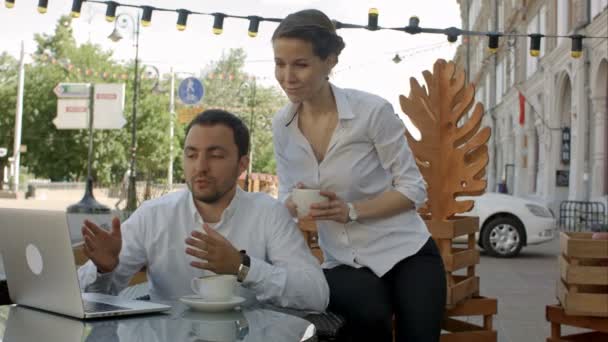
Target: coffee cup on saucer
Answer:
[[214, 288]]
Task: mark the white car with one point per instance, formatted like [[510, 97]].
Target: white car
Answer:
[[508, 223]]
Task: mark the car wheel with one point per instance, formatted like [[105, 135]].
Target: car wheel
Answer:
[[503, 237]]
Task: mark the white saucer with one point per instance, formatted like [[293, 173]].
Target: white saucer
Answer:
[[197, 303]]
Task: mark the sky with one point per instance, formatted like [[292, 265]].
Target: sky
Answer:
[[366, 62]]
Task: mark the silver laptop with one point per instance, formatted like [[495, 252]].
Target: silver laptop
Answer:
[[41, 271]]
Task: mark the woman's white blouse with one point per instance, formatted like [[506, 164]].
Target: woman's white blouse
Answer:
[[367, 155]]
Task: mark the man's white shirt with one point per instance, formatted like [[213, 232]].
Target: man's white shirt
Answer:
[[283, 272]]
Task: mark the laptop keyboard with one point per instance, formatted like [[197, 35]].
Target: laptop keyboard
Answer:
[[101, 307]]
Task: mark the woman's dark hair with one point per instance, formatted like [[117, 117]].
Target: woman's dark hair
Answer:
[[313, 26], [212, 117]]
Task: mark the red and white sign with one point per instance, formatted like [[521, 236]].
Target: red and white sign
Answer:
[[72, 114], [109, 104]]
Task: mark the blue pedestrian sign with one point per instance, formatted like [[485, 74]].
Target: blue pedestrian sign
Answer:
[[191, 91]]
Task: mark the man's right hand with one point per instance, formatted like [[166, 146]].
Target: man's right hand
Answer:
[[102, 247]]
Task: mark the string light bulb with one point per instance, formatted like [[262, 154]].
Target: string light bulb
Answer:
[[372, 19], [111, 11], [493, 42], [42, 6], [218, 23], [413, 26], [182, 19], [254, 25], [146, 17], [535, 44], [9, 3], [577, 46], [76, 7]]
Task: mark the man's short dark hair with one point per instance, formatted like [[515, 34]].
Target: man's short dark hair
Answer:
[[212, 117]]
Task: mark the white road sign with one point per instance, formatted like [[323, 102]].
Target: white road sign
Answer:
[[72, 90], [109, 104], [72, 114]]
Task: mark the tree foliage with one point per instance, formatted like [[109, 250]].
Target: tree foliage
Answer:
[[62, 154]]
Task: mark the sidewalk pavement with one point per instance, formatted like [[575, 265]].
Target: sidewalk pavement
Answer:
[[56, 199]]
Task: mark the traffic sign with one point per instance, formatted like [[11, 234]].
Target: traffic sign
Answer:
[[108, 106], [187, 114], [3, 152], [191, 91], [72, 90], [72, 114]]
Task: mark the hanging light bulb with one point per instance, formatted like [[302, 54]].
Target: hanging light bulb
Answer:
[[42, 5], [146, 17], [111, 11], [372, 19], [9, 3], [254, 25], [577, 45], [493, 42], [397, 59], [218, 23], [452, 33], [535, 44], [182, 19], [76, 7], [413, 26]]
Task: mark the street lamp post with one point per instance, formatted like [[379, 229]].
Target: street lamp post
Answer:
[[251, 129], [116, 36], [172, 125]]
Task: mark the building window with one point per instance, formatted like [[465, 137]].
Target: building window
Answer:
[[563, 20], [474, 7], [531, 61], [500, 74], [597, 6], [501, 16]]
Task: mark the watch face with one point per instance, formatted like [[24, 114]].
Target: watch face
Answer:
[[352, 213]]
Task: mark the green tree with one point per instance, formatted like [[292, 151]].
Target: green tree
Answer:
[[62, 154], [240, 93], [8, 93]]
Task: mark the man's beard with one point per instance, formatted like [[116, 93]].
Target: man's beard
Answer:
[[218, 192], [211, 198]]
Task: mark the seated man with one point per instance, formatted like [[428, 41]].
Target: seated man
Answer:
[[212, 227]]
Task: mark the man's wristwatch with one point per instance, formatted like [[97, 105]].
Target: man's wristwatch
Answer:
[[241, 274], [352, 212]]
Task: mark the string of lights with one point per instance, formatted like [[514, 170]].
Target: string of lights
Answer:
[[413, 26]]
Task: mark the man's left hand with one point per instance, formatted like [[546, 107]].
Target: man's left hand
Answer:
[[215, 252]]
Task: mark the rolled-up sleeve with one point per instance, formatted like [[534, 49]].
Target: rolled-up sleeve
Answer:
[[387, 132], [291, 276]]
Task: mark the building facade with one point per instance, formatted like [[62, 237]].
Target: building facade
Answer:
[[548, 114]]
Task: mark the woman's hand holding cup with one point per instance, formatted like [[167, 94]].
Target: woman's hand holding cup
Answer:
[[332, 209]]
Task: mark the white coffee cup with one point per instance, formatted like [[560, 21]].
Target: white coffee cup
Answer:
[[215, 288], [304, 198]]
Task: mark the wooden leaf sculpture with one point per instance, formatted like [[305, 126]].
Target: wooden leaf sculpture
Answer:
[[452, 158]]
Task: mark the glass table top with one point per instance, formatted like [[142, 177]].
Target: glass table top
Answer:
[[180, 324]]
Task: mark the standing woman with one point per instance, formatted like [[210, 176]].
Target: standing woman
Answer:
[[380, 259]]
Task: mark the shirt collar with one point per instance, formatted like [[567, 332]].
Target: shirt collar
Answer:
[[226, 215], [344, 109]]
